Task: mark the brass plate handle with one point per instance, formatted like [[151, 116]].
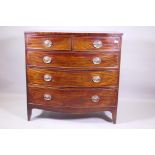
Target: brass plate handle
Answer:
[[97, 44], [96, 79], [97, 60], [47, 43], [47, 97], [95, 98], [47, 59], [47, 77]]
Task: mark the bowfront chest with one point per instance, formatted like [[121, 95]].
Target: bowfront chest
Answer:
[[73, 72]]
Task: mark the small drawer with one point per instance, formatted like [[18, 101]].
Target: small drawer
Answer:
[[48, 42], [96, 43], [72, 78], [73, 60], [77, 98]]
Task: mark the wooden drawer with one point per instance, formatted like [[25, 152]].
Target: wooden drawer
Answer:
[[96, 43], [68, 60], [80, 98], [48, 42], [72, 78]]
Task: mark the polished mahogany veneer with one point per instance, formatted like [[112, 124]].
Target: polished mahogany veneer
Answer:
[[85, 43], [70, 78], [80, 98], [73, 72], [73, 60], [58, 42]]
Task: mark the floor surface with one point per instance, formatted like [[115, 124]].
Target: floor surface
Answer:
[[131, 114]]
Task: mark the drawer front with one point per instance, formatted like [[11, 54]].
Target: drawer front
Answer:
[[72, 78], [49, 42], [82, 98], [49, 59], [96, 43]]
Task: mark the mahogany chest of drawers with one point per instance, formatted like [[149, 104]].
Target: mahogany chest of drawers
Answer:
[[73, 72]]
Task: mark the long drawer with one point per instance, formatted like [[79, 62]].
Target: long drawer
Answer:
[[72, 78], [82, 98], [93, 60]]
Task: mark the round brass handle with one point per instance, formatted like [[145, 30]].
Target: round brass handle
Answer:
[[47, 59], [47, 97], [47, 77], [95, 98], [96, 79], [96, 60], [47, 43], [97, 44]]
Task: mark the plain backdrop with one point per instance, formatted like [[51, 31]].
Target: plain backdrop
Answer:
[[137, 74]]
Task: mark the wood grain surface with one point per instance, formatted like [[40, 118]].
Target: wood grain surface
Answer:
[[72, 70], [80, 98], [58, 42], [72, 78], [86, 43], [73, 60]]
